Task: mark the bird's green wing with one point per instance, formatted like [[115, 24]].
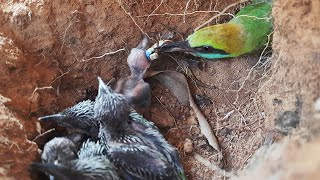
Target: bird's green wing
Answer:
[[257, 24]]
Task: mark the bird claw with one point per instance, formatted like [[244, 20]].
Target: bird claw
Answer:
[[151, 53]]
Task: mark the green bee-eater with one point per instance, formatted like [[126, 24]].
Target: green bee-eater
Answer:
[[246, 32]]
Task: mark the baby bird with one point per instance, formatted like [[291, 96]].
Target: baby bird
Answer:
[[78, 118], [134, 87], [138, 150], [92, 164], [59, 149]]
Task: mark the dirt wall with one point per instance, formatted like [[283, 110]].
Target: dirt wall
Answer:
[[52, 51], [291, 98]]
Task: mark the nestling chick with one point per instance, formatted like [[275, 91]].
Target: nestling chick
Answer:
[[92, 168], [134, 87], [90, 149], [137, 149], [59, 149], [78, 118], [92, 164]]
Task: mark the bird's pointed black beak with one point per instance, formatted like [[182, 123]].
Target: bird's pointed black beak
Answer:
[[53, 117], [182, 46]]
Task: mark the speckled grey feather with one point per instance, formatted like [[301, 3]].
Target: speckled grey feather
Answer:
[[78, 118], [59, 149], [92, 164], [127, 140]]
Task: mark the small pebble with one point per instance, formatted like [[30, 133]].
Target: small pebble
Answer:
[[201, 143], [225, 123], [207, 112], [225, 131], [317, 105], [191, 120], [254, 148], [39, 151], [188, 146], [195, 130]]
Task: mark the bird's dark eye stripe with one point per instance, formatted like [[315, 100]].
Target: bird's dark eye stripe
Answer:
[[209, 50]]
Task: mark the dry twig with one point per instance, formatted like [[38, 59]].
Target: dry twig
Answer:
[[213, 167]]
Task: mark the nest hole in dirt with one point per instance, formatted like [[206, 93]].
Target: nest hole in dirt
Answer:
[[58, 70], [54, 50]]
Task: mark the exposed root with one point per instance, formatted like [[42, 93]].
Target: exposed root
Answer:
[[38, 89], [134, 21], [60, 76], [220, 13], [253, 68], [273, 67], [185, 11], [33, 95], [43, 134], [105, 54], [228, 115], [183, 14], [155, 9]]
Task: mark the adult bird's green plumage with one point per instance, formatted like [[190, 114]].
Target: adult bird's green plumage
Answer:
[[246, 32]]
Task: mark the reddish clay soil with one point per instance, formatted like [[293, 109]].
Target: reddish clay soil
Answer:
[[52, 51]]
